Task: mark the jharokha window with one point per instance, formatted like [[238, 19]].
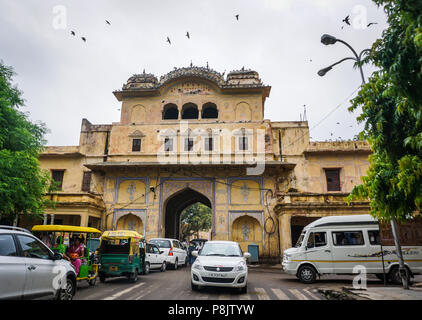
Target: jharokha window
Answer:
[[136, 145], [57, 176], [333, 179]]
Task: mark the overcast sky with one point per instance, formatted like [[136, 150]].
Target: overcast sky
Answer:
[[64, 79]]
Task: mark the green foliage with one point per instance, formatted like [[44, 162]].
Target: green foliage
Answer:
[[22, 183], [391, 105], [195, 218]]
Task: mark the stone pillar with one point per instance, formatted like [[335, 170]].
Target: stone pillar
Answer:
[[45, 218], [285, 232], [84, 219], [52, 219]]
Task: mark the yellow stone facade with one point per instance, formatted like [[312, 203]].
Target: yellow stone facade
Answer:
[[146, 190]]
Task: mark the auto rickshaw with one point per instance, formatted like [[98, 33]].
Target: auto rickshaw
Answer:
[[122, 253], [89, 267]]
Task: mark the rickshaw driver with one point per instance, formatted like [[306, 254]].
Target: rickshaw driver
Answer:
[[74, 253]]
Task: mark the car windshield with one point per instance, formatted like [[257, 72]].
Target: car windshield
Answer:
[[300, 240], [221, 249], [161, 243]]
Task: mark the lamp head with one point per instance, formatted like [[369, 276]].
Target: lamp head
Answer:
[[327, 39], [324, 71]]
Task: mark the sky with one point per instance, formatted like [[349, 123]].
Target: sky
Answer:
[[64, 79]]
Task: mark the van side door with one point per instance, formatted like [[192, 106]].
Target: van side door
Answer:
[[318, 251], [349, 250]]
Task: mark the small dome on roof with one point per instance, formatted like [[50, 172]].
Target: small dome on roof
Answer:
[[243, 77], [143, 80]]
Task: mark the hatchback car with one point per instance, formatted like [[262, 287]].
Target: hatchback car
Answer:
[[220, 264], [30, 270], [174, 253], [155, 258]]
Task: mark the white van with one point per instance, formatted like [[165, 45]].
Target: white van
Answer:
[[336, 244]]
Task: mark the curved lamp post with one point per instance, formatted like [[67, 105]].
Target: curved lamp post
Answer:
[[327, 40]]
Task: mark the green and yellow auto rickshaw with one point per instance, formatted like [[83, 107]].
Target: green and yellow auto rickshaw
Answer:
[[59, 238], [122, 253]]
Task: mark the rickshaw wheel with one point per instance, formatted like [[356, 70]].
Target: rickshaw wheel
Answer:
[[92, 282], [134, 276], [146, 268]]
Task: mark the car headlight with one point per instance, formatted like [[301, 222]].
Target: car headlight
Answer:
[[197, 265], [241, 266]]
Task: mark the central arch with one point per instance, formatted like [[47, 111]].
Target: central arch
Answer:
[[174, 206]]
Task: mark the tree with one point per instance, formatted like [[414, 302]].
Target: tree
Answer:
[[22, 182], [392, 112], [195, 218]]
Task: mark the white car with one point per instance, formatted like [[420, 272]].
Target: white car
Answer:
[[155, 258], [174, 253], [220, 264], [30, 270]]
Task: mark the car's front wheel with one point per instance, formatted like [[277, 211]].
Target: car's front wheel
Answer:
[[307, 274], [176, 264], [68, 291], [146, 268], [243, 290], [194, 286], [163, 267]]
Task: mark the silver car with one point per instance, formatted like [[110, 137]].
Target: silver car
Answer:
[[30, 270]]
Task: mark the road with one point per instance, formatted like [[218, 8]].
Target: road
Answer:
[[263, 284], [175, 285]]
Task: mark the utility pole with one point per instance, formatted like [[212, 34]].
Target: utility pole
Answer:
[[402, 269]]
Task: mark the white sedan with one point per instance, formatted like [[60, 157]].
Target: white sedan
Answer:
[[220, 264], [155, 259]]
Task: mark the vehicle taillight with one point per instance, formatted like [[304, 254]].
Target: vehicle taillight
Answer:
[[171, 252]]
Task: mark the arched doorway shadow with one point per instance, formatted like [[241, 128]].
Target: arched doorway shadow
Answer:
[[174, 206]]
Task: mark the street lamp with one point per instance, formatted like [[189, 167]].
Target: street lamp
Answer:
[[328, 40]]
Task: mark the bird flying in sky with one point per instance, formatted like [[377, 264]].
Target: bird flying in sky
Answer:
[[108, 22], [237, 17], [72, 33], [168, 40], [370, 24], [347, 20], [84, 39], [188, 35]]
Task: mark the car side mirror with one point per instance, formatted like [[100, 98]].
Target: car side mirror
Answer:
[[246, 255], [195, 253], [57, 256], [161, 252]]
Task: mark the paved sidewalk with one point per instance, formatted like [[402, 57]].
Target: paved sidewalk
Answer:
[[389, 293]]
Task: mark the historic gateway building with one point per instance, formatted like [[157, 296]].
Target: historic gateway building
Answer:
[[197, 136]]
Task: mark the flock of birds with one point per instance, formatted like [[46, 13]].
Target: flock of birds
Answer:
[[73, 33]]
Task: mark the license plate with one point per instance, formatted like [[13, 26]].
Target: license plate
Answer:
[[217, 275], [113, 268]]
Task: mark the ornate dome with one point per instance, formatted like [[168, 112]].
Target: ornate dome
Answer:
[[192, 71], [141, 81]]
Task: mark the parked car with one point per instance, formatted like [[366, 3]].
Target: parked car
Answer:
[[155, 258], [220, 264], [30, 270], [174, 253], [336, 244]]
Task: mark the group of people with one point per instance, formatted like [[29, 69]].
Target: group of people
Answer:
[[74, 252]]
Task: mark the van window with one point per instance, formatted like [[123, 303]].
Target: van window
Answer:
[[348, 238], [374, 237], [317, 239], [300, 240]]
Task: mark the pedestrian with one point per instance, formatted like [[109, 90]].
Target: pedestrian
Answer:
[[190, 250]]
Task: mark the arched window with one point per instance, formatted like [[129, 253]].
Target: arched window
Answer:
[[190, 111], [209, 111], [170, 112]]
